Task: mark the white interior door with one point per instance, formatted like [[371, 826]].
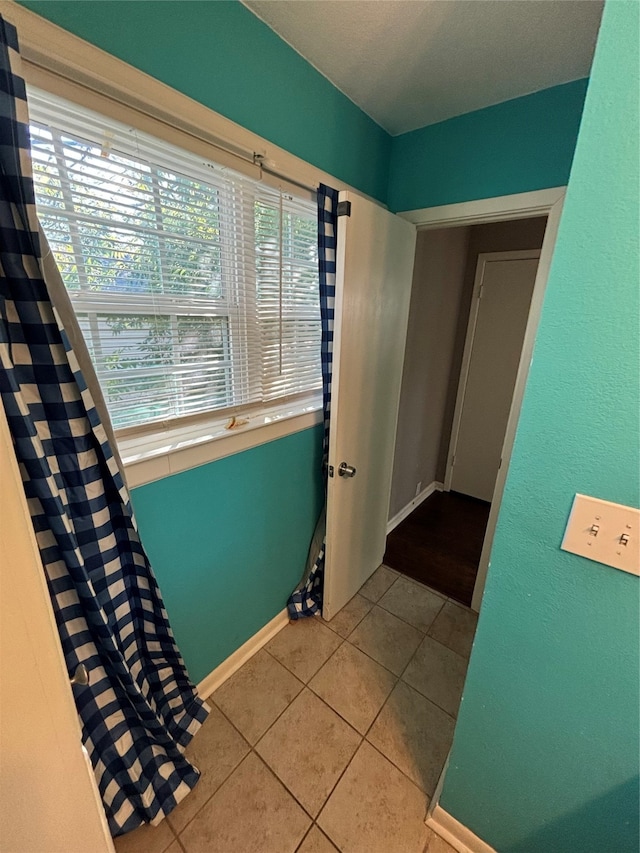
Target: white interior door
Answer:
[[50, 800], [373, 288], [497, 323]]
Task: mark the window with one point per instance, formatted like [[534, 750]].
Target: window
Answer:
[[196, 287]]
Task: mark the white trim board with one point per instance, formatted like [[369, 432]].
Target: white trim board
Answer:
[[460, 837], [498, 209], [409, 508], [247, 650], [172, 451]]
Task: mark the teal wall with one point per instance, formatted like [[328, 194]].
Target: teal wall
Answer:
[[220, 54], [519, 145], [228, 542], [545, 757]]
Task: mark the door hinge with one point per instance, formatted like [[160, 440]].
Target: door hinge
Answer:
[[480, 291], [453, 459], [344, 208]]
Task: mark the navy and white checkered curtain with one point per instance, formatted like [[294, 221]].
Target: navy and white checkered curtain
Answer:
[[139, 710], [307, 599]]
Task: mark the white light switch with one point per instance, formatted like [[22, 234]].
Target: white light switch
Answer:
[[605, 532]]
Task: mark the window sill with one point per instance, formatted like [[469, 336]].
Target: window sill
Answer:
[[170, 451]]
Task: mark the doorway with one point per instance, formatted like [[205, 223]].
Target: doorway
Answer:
[[471, 300]]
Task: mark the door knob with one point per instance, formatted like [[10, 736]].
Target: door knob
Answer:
[[80, 676], [345, 470]]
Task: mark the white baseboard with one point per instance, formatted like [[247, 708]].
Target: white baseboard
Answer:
[[226, 669], [455, 833], [409, 508]]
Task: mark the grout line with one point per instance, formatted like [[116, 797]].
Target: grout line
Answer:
[[424, 633], [445, 646], [338, 780], [382, 707], [180, 844], [324, 663], [402, 773], [362, 739], [271, 725], [362, 618], [226, 778], [264, 760], [367, 655], [306, 835], [252, 748], [428, 795], [335, 710], [426, 586], [433, 702], [287, 789]]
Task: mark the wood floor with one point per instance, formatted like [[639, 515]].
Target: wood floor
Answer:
[[440, 543]]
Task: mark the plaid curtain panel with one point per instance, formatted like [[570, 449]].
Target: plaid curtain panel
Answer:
[[139, 710], [307, 599]]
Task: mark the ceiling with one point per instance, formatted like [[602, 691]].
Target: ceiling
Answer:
[[409, 63]]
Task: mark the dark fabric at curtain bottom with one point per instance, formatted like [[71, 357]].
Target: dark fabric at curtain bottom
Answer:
[[307, 598]]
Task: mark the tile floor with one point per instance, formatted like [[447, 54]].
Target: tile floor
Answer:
[[332, 737]]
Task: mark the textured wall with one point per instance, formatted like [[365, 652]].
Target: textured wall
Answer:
[[228, 542], [435, 305], [519, 145], [220, 54], [545, 757]]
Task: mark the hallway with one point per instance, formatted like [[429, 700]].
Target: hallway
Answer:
[[332, 737], [440, 544]]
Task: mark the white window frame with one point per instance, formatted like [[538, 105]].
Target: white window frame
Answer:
[[63, 64], [157, 449]]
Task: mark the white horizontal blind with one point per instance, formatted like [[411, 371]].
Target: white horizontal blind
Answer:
[[287, 293], [196, 287]]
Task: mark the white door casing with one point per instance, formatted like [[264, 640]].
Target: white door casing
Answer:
[[50, 800], [374, 261], [498, 317], [547, 202]]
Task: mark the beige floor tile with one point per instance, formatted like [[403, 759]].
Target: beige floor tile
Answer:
[[146, 839], [414, 734], [455, 627], [250, 813], [316, 842], [387, 639], [216, 750], [437, 673], [378, 583], [354, 685], [255, 696], [303, 646], [309, 773], [375, 808], [413, 603], [438, 845], [351, 614]]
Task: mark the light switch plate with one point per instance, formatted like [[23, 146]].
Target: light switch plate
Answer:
[[596, 529]]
